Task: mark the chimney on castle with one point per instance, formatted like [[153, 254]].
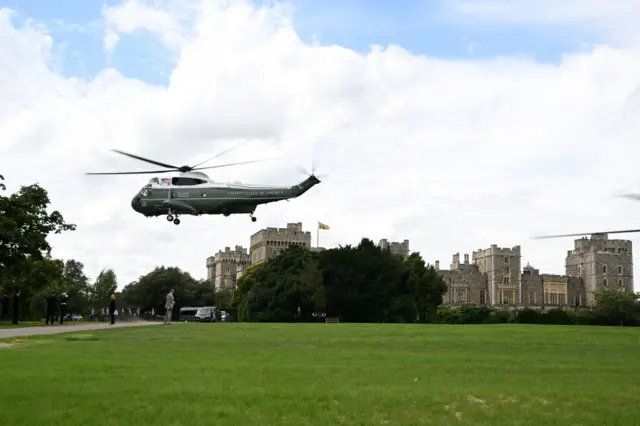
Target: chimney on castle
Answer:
[[437, 265]]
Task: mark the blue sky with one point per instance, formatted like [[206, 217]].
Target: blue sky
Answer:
[[422, 26]]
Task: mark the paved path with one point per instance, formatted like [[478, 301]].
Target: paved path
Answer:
[[32, 331]]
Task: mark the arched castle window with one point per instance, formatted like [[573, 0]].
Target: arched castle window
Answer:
[[604, 269], [579, 269], [605, 282], [620, 270], [620, 283]]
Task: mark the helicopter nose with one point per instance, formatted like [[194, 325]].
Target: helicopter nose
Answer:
[[135, 203]]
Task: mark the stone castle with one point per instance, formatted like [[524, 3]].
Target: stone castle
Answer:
[[494, 277]]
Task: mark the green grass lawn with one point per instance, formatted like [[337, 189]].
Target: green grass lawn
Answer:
[[344, 374]]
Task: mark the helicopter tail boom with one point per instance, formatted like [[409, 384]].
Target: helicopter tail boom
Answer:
[[304, 186]]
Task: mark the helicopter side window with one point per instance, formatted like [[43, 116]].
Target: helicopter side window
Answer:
[[186, 181]]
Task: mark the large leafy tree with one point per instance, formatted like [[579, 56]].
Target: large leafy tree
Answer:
[[363, 283], [618, 307], [25, 224], [150, 290], [427, 285], [104, 287], [77, 286]]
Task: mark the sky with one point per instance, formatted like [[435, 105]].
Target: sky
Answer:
[[455, 124]]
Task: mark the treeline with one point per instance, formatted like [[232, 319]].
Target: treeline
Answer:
[[364, 283], [28, 273], [370, 284], [149, 291]]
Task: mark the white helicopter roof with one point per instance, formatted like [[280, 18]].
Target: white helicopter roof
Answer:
[[208, 182]]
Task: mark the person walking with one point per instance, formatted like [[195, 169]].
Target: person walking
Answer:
[[51, 308], [112, 309], [169, 303], [63, 306]]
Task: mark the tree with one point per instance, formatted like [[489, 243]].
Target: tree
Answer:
[[104, 287], [615, 307], [77, 287], [428, 287], [150, 290], [311, 288], [25, 224]]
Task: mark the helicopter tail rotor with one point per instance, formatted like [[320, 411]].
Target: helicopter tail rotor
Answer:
[[313, 171]]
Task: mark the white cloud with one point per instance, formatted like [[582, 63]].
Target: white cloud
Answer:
[[454, 155]]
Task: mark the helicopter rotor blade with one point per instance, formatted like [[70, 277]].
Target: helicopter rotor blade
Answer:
[[233, 164], [627, 231], [630, 196], [220, 154], [137, 157], [146, 172]]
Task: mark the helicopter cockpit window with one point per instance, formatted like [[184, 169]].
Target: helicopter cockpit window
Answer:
[[186, 181], [145, 192]]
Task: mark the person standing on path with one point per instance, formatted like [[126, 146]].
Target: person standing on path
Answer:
[[63, 306], [112, 309], [51, 308], [6, 305], [170, 301], [16, 307]]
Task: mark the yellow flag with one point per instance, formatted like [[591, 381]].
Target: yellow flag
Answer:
[[323, 226]]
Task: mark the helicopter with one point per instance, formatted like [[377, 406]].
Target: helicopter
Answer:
[[635, 197], [194, 193]]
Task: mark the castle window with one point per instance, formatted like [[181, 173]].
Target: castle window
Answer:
[[506, 260], [532, 297], [620, 284], [619, 270], [605, 282], [505, 280], [604, 269], [483, 297], [579, 269]]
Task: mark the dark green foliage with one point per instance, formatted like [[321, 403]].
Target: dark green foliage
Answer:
[[25, 263], [356, 284], [612, 308], [150, 290]]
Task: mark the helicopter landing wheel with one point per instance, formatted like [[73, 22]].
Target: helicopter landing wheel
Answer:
[[176, 221], [170, 217], [253, 218]]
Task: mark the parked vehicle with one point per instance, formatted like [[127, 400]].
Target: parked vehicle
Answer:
[[206, 314], [188, 313]]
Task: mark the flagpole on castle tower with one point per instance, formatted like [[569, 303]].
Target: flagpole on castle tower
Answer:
[[318, 235]]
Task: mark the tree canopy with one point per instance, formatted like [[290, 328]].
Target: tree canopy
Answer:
[[362, 284], [26, 266]]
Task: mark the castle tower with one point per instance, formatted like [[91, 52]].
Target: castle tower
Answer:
[[396, 247], [602, 264], [502, 268], [224, 268], [269, 242]]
